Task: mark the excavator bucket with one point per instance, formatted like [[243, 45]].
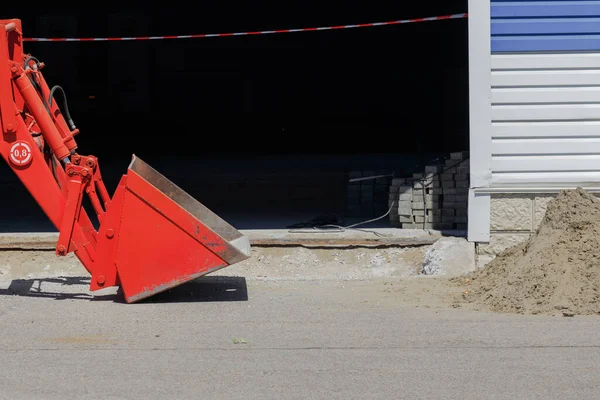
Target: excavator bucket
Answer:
[[151, 235], [166, 237]]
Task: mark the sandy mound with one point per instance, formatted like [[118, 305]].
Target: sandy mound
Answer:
[[556, 271]]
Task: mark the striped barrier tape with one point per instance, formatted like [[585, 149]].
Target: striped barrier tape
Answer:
[[210, 35]]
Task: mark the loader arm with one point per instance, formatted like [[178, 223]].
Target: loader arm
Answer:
[[152, 235]]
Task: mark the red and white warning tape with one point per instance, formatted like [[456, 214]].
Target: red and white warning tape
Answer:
[[209, 35]]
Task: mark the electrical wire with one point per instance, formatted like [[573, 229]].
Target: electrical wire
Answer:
[[339, 229]]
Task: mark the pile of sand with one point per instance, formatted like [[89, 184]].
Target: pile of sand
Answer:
[[556, 271]]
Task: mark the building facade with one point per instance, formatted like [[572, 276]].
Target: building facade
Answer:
[[534, 112]]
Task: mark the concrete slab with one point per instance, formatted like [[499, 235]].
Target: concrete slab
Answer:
[[272, 237]]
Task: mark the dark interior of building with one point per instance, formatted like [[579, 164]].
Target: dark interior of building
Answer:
[[262, 129]]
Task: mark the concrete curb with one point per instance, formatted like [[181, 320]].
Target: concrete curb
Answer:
[[43, 241]]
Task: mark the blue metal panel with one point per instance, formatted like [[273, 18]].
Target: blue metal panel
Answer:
[[548, 26], [545, 25], [528, 9], [545, 43]]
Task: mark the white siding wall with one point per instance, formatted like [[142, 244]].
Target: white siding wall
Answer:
[[535, 101], [545, 118]]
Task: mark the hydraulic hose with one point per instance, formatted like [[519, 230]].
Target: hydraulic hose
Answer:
[[29, 59], [65, 105]]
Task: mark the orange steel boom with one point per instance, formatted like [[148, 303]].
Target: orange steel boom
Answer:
[[152, 235]]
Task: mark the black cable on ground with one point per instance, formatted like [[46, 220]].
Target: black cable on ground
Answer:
[[339, 229]]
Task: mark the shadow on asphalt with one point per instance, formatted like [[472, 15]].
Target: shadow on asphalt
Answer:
[[203, 289]]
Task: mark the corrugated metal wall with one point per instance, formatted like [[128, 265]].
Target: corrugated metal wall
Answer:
[[545, 91]]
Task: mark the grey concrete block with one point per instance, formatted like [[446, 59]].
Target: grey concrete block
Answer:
[[462, 184], [418, 212], [405, 196], [463, 168], [460, 155], [406, 219], [434, 218], [425, 184], [399, 182], [456, 191], [461, 212], [448, 218], [435, 192], [400, 189], [461, 198], [446, 177], [449, 170], [448, 212], [462, 227], [412, 226], [428, 198], [461, 177], [423, 206], [448, 184], [462, 220], [433, 169], [456, 205], [452, 163], [418, 192], [417, 206], [405, 211]]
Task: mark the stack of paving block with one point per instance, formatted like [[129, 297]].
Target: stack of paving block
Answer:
[[367, 198], [435, 199], [401, 193]]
